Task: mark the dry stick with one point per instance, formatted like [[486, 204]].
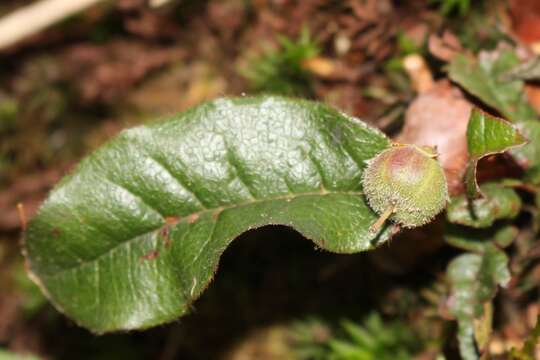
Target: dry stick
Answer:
[[418, 70], [33, 18]]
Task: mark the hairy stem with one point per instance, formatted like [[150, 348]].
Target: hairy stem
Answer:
[[381, 220]]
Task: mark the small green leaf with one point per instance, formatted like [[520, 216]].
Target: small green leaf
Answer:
[[498, 203], [487, 135], [474, 279], [477, 240], [134, 235], [484, 78]]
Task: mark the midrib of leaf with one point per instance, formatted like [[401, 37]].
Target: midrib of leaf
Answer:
[[217, 211]]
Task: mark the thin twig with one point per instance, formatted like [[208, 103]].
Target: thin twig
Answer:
[[22, 216], [31, 19]]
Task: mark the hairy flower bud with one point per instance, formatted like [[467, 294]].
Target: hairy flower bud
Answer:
[[405, 184]]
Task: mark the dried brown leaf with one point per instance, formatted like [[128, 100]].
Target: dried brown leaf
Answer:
[[439, 118]]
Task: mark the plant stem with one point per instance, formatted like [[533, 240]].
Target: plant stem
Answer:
[[380, 221]]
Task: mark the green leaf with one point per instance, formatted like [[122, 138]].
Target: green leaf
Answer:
[[487, 135], [134, 235], [498, 203], [529, 70], [485, 78], [529, 155], [477, 240], [474, 279]]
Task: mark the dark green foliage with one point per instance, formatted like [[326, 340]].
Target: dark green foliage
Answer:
[[474, 279]]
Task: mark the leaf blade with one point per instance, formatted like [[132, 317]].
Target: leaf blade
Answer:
[[498, 203], [487, 135], [134, 235], [485, 78]]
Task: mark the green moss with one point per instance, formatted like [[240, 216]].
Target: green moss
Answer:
[[373, 339], [280, 70]]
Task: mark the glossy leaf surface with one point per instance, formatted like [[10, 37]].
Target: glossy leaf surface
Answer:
[[134, 235]]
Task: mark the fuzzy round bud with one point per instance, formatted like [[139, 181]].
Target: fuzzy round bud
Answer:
[[406, 184]]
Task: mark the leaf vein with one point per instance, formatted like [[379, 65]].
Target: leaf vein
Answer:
[[144, 201], [180, 182], [240, 174]]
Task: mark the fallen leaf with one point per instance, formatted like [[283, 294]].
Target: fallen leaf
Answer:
[[439, 118]]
